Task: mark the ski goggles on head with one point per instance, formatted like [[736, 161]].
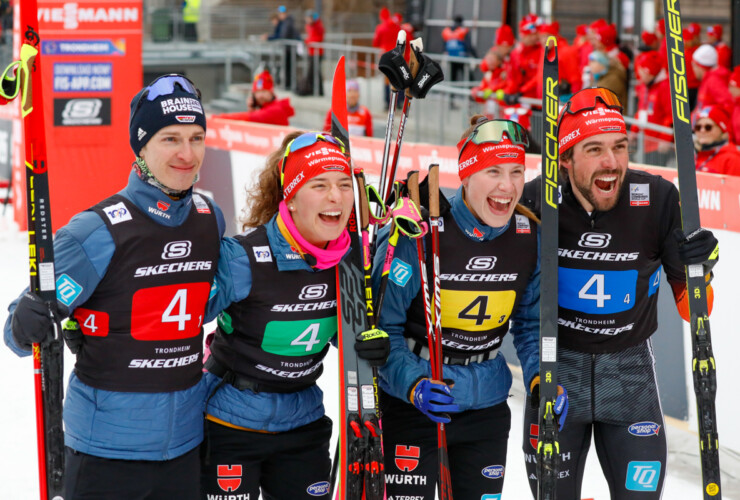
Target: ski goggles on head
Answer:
[[588, 99], [493, 131], [304, 141], [165, 85]]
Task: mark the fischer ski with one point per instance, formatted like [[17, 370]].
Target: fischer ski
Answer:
[[703, 365], [359, 458], [548, 449], [48, 356]]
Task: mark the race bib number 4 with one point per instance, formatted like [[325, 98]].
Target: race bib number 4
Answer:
[[298, 338], [169, 312], [476, 311], [596, 292]]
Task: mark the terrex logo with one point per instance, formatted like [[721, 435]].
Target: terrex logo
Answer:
[[229, 477], [570, 137], [468, 162], [407, 457], [594, 240], [290, 187], [484, 263], [313, 292], [176, 250]]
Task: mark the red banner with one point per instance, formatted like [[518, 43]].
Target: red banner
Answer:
[[91, 64], [719, 195]]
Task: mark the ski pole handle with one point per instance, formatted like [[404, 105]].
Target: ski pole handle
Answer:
[[433, 190], [364, 215], [412, 184]]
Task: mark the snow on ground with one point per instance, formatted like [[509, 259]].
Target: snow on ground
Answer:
[[19, 472]]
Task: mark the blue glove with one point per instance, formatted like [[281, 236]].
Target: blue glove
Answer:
[[561, 401], [434, 399]]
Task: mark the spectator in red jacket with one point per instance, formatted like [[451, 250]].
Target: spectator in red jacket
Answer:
[[715, 152], [262, 104], [386, 32], [713, 88], [653, 106], [359, 118], [525, 59], [734, 88], [649, 41], [314, 34], [724, 52], [605, 39]]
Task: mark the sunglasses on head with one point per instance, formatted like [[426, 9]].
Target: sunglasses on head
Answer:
[[165, 85], [492, 131], [707, 127], [588, 99], [304, 141]]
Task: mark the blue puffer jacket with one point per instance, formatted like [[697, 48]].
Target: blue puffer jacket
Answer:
[[131, 426], [265, 411], [477, 385]]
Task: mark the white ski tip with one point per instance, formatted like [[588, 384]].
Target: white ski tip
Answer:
[[401, 37], [418, 44]]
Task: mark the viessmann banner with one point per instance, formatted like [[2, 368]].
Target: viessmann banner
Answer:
[[91, 68], [719, 195]]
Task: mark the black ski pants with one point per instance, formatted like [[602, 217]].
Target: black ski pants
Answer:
[[293, 464], [476, 445], [632, 456], [88, 477]]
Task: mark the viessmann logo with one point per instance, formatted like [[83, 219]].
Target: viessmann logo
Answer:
[[71, 15]]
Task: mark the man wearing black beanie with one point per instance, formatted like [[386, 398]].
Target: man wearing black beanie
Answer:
[[133, 275]]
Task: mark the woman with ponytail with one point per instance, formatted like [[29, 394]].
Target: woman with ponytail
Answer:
[[489, 270], [266, 431]]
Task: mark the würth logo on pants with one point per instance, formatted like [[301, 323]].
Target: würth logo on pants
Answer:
[[407, 457], [229, 477]]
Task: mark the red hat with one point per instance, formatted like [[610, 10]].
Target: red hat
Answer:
[[504, 35], [660, 26], [581, 29], [601, 119], [607, 34], [649, 38], [594, 26], [735, 77], [650, 60], [688, 35], [384, 14], [715, 30], [715, 113], [263, 81], [529, 24], [552, 28], [307, 162], [476, 157], [695, 29]]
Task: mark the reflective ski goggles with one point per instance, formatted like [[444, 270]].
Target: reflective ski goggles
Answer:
[[588, 99], [493, 131], [165, 85], [304, 141]]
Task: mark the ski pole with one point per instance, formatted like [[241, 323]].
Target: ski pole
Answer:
[[434, 221]]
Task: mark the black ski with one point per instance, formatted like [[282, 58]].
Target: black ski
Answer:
[[703, 365], [359, 458], [548, 450]]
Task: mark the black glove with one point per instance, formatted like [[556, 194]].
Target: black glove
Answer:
[[73, 335], [430, 73], [512, 99], [32, 323], [564, 87], [699, 247], [373, 346], [394, 67]]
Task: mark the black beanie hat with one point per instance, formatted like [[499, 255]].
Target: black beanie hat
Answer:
[[168, 100]]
